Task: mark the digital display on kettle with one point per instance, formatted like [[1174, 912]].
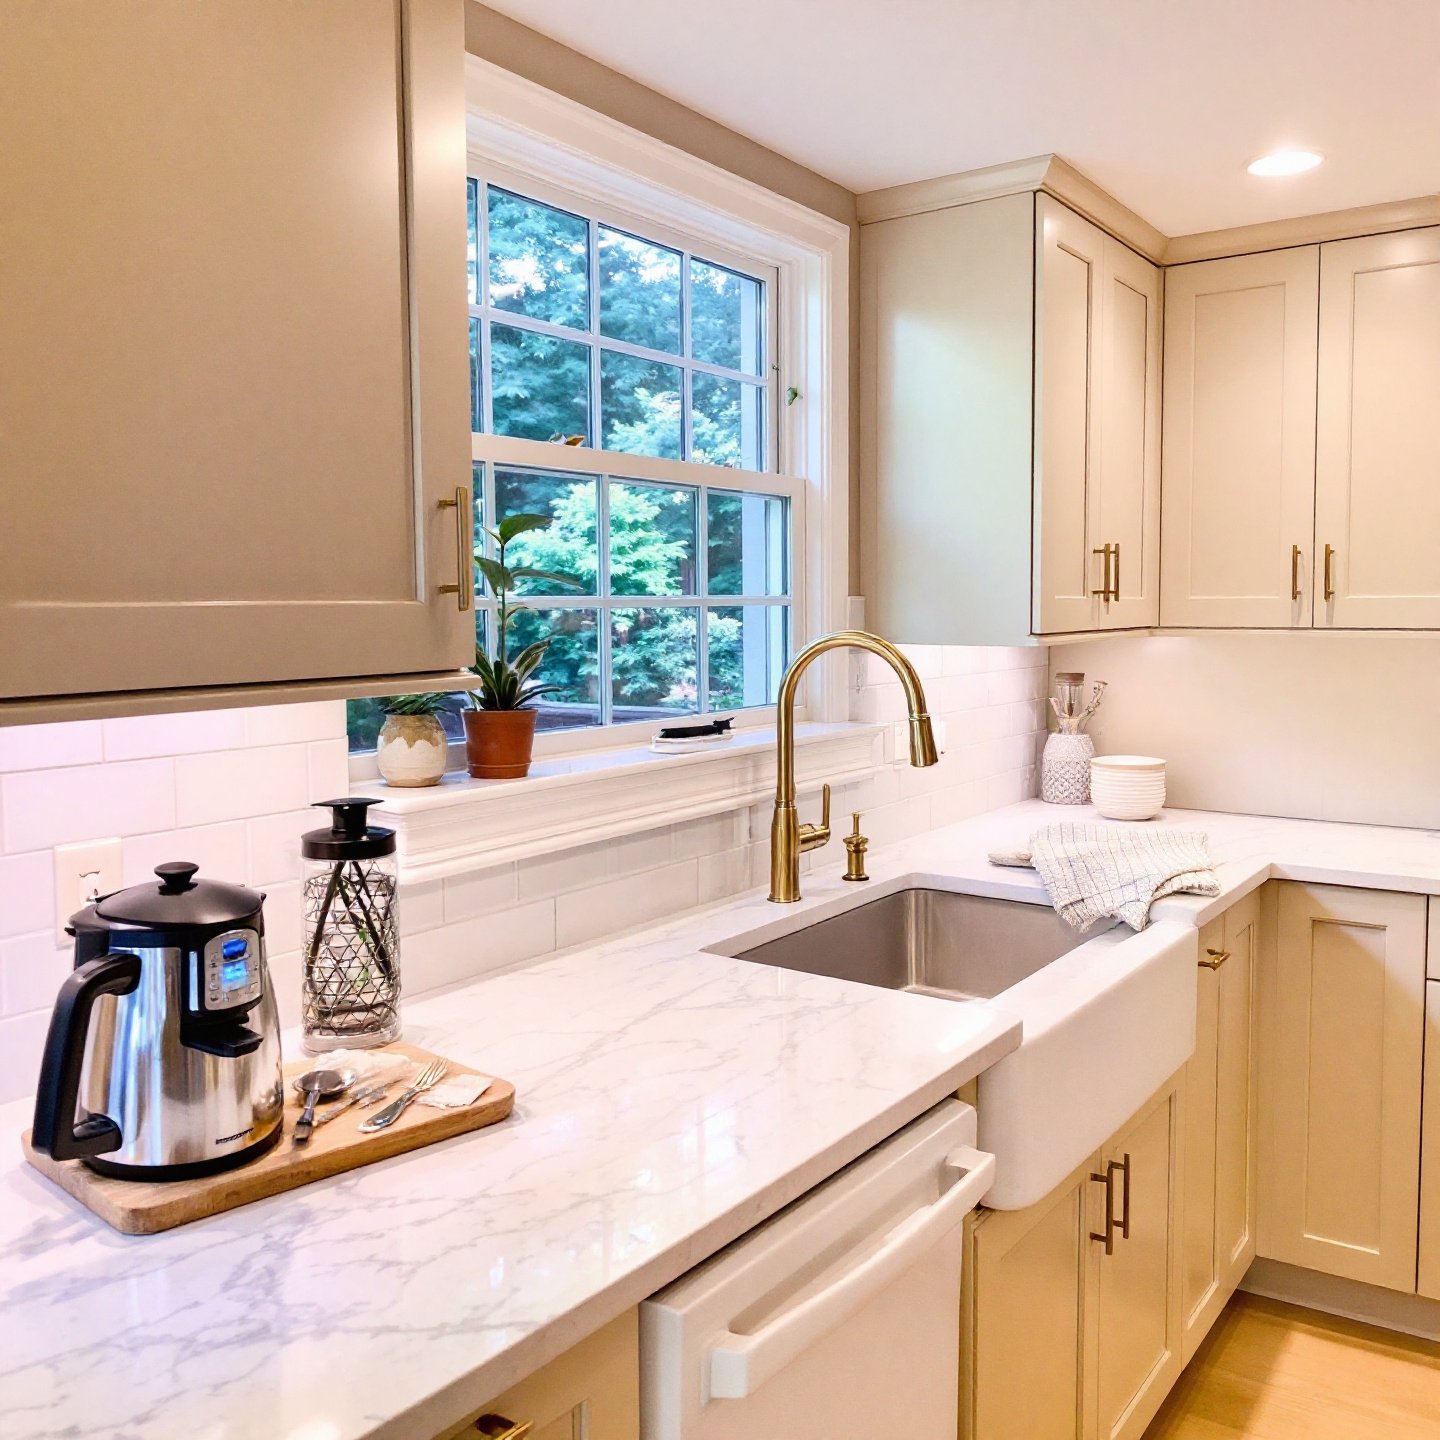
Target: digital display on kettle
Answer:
[[234, 949], [234, 974]]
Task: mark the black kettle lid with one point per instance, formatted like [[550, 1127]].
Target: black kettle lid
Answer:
[[350, 835], [180, 900]]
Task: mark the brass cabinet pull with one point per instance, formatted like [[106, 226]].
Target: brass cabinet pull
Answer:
[[1294, 572], [497, 1427], [464, 587], [1104, 591], [1115, 588], [1107, 1236], [1125, 1202], [1216, 960], [1329, 572]]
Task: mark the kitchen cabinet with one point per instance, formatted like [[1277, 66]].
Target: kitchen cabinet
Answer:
[[1071, 1313], [1010, 408], [233, 355], [1220, 1109], [1239, 440], [592, 1390], [1377, 475], [1137, 1331], [1025, 1274], [1429, 1266], [1341, 1057], [1097, 428]]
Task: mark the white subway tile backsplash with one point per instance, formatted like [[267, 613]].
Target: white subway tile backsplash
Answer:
[[219, 851], [294, 724], [27, 892], [621, 904], [22, 1038], [475, 947], [236, 784], [329, 769], [44, 747], [422, 907], [32, 969], [274, 843], [712, 834], [142, 737], [482, 893], [54, 807]]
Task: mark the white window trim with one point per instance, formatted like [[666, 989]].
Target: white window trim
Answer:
[[536, 135]]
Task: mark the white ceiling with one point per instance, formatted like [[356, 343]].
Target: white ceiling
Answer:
[[1162, 102]]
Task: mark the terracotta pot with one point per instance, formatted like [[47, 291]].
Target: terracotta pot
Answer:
[[499, 743], [411, 750]]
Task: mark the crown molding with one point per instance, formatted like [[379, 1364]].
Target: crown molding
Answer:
[[1304, 230], [1049, 173]]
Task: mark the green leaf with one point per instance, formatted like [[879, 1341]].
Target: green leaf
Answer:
[[513, 525], [528, 572], [500, 577], [525, 662]]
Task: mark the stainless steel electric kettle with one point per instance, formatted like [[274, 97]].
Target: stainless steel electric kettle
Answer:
[[163, 1057]]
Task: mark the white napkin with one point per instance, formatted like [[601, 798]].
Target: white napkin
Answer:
[[458, 1091]]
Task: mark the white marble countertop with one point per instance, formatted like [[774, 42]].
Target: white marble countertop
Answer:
[[668, 1101]]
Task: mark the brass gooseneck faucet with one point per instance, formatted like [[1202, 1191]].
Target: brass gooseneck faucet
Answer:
[[789, 839]]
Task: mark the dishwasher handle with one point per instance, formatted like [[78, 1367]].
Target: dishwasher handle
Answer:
[[740, 1364]]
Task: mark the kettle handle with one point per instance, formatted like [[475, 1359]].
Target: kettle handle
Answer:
[[55, 1131]]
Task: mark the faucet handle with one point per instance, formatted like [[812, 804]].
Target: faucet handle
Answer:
[[812, 837]]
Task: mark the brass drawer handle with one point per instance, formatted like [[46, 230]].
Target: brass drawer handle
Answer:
[[1115, 588], [497, 1427], [1125, 1202], [1216, 960], [464, 587], [1294, 572], [1329, 572], [1107, 1236], [1104, 591]]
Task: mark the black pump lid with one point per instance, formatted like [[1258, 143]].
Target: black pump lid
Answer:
[[180, 901], [350, 836]]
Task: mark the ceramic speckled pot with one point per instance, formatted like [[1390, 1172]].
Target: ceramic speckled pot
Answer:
[[411, 750]]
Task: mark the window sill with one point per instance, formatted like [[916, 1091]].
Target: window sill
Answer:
[[464, 824]]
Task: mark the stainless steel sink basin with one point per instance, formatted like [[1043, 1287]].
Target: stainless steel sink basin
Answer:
[[934, 942]]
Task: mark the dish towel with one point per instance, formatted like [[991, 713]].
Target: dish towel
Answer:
[[1096, 871]]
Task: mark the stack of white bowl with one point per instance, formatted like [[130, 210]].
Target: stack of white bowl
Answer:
[[1127, 787]]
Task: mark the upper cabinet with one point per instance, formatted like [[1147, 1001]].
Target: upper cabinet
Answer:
[[233, 353], [1239, 454], [1377, 474], [1097, 428], [1010, 407]]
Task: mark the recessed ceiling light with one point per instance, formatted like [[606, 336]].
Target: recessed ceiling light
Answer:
[[1285, 162]]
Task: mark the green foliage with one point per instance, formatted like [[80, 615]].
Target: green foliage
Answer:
[[432, 703], [505, 683]]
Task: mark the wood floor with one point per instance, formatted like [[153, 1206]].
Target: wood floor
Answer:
[[1270, 1371]]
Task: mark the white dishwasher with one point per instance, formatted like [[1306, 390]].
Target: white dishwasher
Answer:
[[838, 1317]]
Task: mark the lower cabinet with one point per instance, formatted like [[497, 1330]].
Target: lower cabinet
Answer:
[[1218, 1189], [1072, 1306], [1343, 1034], [1429, 1269], [591, 1392]]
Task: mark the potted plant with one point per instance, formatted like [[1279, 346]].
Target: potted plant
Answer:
[[411, 746], [500, 723]]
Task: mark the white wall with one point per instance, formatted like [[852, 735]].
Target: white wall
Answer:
[[228, 790], [1319, 725]]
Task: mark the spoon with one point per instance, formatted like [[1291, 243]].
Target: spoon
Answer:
[[316, 1085]]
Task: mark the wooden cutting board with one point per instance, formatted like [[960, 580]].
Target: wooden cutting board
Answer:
[[145, 1207]]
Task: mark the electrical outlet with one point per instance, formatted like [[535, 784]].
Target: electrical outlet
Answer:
[[83, 872]]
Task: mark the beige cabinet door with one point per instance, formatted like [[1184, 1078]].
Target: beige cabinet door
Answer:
[[233, 353], [1069, 289], [1239, 446], [1218, 1199], [1429, 1269], [1127, 499], [1377, 464], [1022, 1332], [591, 1392], [1342, 1036], [1137, 1326]]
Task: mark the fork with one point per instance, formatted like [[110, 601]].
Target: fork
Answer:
[[427, 1079]]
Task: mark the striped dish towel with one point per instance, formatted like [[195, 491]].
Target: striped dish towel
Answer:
[[1096, 871]]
